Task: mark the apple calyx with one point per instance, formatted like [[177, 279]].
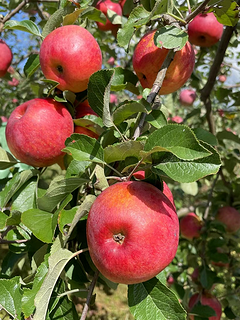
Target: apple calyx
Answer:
[[119, 238]]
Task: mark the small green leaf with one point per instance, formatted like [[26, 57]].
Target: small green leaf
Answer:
[[24, 25], [6, 159], [11, 296], [227, 12], [205, 136], [31, 65], [94, 14], [25, 198], [190, 171], [153, 300], [177, 139], [157, 119], [170, 37], [120, 151], [127, 110], [40, 223], [99, 94], [90, 125], [113, 17], [84, 148], [3, 220], [121, 78], [59, 189], [202, 310], [190, 188]]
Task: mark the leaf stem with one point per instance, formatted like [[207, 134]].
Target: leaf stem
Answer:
[[89, 296]]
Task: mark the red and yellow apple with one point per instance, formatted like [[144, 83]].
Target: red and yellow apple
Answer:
[[36, 131], [190, 226], [132, 232], [148, 59], [104, 5], [206, 299], [230, 217], [6, 57], [187, 97], [70, 55], [204, 30]]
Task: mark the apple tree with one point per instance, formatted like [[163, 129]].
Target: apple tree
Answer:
[[150, 93]]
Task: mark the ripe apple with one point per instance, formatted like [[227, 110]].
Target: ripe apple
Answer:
[[132, 232], [177, 119], [14, 82], [187, 97], [140, 175], [230, 217], [113, 98], [104, 5], [83, 109], [204, 30], [190, 226], [206, 299], [111, 61], [4, 119], [6, 57], [148, 59], [70, 55], [36, 131]]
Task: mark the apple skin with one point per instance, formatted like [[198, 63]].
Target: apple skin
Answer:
[[6, 57], [132, 232], [70, 55], [140, 175], [190, 226], [187, 97], [104, 5], [36, 131], [204, 30], [177, 119], [148, 59], [83, 109], [230, 217], [208, 300], [222, 78]]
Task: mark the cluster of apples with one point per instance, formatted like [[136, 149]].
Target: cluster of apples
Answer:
[[191, 227], [70, 62]]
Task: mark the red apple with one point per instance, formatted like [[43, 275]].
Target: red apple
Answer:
[[132, 232], [14, 100], [204, 30], [111, 61], [230, 217], [206, 300], [14, 82], [148, 59], [177, 119], [190, 226], [170, 280], [4, 119], [6, 57], [83, 109], [70, 55], [222, 78], [113, 98], [86, 131], [104, 5], [187, 97], [195, 275], [36, 131], [140, 175]]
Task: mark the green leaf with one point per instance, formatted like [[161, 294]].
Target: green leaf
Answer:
[[90, 125], [228, 135], [84, 148], [25, 198], [170, 37], [29, 294], [15, 184], [113, 17], [120, 151], [31, 65], [127, 110], [99, 94], [56, 19], [156, 118], [177, 139], [227, 12], [190, 171], [24, 25], [58, 190], [6, 159], [125, 34], [59, 257], [205, 136], [3, 220], [190, 188], [202, 310], [94, 14], [66, 217], [121, 78], [72, 17], [11, 296], [41, 223], [152, 300]]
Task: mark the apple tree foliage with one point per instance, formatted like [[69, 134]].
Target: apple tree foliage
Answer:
[[45, 268]]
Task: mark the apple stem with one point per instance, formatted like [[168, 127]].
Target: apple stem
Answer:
[[89, 296], [119, 238]]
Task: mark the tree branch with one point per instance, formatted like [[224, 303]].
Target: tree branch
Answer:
[[12, 13], [196, 11]]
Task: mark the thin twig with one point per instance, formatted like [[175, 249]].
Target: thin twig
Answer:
[[196, 11], [12, 13], [89, 296]]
